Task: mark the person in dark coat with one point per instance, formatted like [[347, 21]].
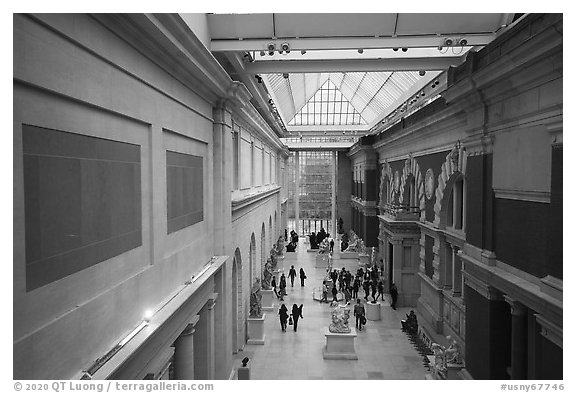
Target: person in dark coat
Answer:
[[359, 311], [283, 312], [366, 287], [282, 286], [302, 277], [331, 245], [334, 293], [292, 275], [273, 284], [355, 288], [296, 314], [393, 295]]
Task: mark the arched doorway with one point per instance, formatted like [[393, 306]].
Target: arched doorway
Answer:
[[253, 274]]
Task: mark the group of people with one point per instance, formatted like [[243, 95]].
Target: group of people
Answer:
[[291, 247], [317, 238], [291, 318]]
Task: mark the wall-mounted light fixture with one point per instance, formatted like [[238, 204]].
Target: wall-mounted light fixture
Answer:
[[360, 51], [271, 48], [285, 47]]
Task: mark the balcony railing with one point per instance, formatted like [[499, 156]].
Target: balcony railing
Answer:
[[402, 212]]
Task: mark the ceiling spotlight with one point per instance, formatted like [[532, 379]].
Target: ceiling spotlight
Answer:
[[395, 49], [360, 51], [262, 53], [302, 52], [404, 49], [440, 48], [421, 72], [285, 75], [271, 48], [448, 41], [463, 42], [423, 94], [285, 47]]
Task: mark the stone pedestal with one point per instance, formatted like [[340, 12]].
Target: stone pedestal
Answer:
[[322, 261], [243, 373], [256, 330], [268, 299], [373, 311], [364, 260], [348, 255], [340, 345]]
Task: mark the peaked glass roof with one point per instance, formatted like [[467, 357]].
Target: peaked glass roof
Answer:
[[341, 98], [327, 107]]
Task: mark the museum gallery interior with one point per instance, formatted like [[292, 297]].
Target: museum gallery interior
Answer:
[[168, 166]]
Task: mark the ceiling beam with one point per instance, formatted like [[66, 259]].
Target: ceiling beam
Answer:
[[351, 65], [344, 43]]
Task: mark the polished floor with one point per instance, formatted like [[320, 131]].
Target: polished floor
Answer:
[[383, 350]]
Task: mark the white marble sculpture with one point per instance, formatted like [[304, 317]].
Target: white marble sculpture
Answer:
[[256, 300], [340, 316]]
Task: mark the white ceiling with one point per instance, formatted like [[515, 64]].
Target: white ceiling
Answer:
[[360, 53]]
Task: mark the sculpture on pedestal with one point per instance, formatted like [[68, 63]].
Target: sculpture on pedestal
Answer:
[[267, 276], [340, 316], [273, 257], [256, 300], [439, 367], [353, 242], [324, 247], [280, 246]]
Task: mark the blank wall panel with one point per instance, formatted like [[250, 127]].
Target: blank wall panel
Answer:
[[185, 190], [82, 202]]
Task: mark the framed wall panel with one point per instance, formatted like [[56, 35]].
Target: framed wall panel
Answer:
[[185, 190], [82, 202]]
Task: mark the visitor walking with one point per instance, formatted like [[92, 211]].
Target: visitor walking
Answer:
[[359, 313], [296, 314], [331, 245], [324, 294], [393, 295], [355, 288], [283, 312], [282, 286], [292, 274], [366, 287], [273, 284], [334, 293], [302, 277], [380, 289]]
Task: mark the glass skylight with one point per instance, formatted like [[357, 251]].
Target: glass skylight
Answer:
[[327, 107]]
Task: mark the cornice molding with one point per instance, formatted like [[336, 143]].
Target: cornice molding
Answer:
[[550, 330], [245, 201]]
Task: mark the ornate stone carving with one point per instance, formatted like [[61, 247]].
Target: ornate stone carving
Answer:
[[324, 247], [429, 183], [340, 316]]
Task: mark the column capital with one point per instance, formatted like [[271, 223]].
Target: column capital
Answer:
[[517, 309], [189, 329], [211, 303]]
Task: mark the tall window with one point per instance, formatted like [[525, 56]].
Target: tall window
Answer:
[[235, 159], [455, 209], [315, 192]]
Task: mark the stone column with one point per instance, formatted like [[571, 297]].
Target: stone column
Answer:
[[448, 266], [297, 193], [334, 230], [397, 252], [222, 175], [204, 342], [519, 339], [457, 277], [184, 352]]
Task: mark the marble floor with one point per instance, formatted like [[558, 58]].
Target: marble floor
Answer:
[[383, 350]]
